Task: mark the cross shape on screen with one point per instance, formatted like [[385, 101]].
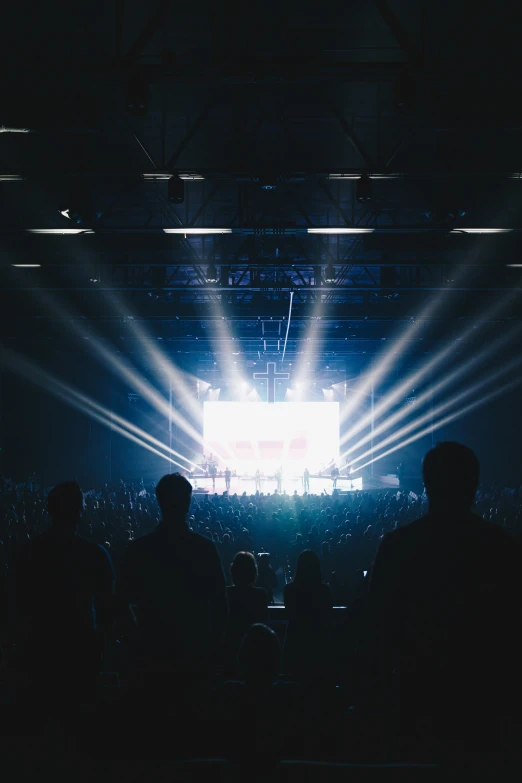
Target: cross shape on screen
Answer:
[[270, 376]]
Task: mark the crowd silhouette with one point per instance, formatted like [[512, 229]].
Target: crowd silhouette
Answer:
[[269, 624]]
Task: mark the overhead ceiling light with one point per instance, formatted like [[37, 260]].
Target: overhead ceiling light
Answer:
[[197, 230], [59, 230], [190, 176], [330, 275], [156, 175], [3, 129], [363, 192], [26, 266], [340, 230], [212, 274]]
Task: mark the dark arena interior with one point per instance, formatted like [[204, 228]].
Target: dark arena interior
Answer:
[[272, 253]]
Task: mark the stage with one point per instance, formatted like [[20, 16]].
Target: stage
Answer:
[[240, 484]]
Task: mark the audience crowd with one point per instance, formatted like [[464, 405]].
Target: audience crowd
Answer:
[[301, 623]]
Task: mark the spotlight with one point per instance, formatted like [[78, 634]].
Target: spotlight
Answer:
[[176, 190], [77, 204], [73, 214], [212, 274], [363, 192], [330, 274]]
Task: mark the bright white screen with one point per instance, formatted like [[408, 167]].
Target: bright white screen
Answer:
[[251, 435]]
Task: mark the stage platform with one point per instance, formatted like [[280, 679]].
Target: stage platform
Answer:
[[318, 485]]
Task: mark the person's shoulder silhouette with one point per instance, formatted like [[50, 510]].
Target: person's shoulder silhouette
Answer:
[[63, 590], [447, 587], [174, 578]]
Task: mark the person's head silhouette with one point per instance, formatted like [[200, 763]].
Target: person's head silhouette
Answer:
[[451, 475], [65, 505], [174, 493], [243, 569], [259, 656], [308, 571]]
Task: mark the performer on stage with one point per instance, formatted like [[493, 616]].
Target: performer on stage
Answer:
[[306, 480], [212, 471], [335, 475], [257, 478], [228, 475], [279, 478]]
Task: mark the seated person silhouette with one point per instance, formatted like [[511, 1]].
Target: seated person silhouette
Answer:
[[258, 704], [174, 579], [247, 604], [445, 599], [64, 602]]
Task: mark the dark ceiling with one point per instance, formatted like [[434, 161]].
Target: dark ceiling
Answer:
[[263, 118]]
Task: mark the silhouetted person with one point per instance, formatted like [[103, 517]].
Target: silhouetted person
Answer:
[[247, 603], [279, 479], [174, 579], [445, 600], [266, 577], [228, 476], [306, 480], [259, 705], [260, 657], [257, 478], [64, 602], [308, 604]]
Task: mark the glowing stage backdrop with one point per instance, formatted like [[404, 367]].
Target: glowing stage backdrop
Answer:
[[251, 435]]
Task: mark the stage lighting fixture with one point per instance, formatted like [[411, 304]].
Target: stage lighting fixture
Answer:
[[445, 215], [268, 180], [330, 274], [212, 274], [363, 192], [176, 190], [72, 213], [137, 95], [405, 91]]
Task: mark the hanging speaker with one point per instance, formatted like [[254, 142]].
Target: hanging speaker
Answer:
[[176, 190]]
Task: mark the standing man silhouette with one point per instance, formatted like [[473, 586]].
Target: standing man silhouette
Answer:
[[445, 604], [213, 474], [279, 478], [64, 603], [174, 579], [228, 476], [306, 480]]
